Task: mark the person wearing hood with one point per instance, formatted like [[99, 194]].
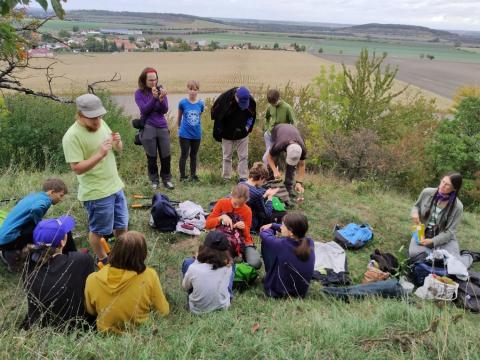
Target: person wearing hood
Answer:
[[123, 292]]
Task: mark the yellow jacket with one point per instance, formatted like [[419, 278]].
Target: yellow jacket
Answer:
[[120, 297]]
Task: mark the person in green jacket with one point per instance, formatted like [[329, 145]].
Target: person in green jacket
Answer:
[[278, 112]]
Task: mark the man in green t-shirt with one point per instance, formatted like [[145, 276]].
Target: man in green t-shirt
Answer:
[[278, 112], [88, 146]]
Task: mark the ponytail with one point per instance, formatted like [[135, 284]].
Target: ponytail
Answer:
[[302, 251], [298, 224]]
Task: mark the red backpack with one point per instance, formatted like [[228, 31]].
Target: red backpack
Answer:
[[234, 236]]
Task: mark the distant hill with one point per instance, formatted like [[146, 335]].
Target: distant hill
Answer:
[[398, 31]]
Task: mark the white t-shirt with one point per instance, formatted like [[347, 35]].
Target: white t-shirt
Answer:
[[209, 287]]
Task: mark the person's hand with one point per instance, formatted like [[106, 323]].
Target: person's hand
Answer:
[[276, 174], [155, 92], [426, 242], [299, 188], [239, 225], [227, 221], [265, 227], [105, 147], [116, 137], [162, 93], [270, 192], [416, 219]]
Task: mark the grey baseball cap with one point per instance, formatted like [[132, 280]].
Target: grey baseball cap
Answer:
[[90, 106], [294, 152]]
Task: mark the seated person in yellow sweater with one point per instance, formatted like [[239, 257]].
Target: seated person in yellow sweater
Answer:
[[123, 292]]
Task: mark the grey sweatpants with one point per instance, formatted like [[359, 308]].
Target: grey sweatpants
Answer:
[[228, 146]]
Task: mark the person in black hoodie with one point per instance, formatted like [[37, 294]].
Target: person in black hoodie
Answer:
[[55, 282], [234, 113]]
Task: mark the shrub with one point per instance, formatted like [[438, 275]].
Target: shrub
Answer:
[[32, 131]]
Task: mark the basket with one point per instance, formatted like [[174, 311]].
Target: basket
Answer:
[[440, 290]]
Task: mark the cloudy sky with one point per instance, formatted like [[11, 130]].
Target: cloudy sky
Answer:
[[440, 14]]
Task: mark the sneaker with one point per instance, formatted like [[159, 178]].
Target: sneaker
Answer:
[[183, 178], [11, 259], [194, 178], [169, 185], [154, 186]]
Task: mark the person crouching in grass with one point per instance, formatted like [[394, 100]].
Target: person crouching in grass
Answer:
[[124, 291], [209, 277]]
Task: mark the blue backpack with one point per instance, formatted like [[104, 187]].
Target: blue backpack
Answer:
[[163, 216], [353, 236]]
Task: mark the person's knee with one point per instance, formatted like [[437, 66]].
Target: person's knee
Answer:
[[253, 258]]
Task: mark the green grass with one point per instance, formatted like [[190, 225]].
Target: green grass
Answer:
[[314, 328]]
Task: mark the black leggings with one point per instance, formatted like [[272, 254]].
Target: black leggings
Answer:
[[188, 146]]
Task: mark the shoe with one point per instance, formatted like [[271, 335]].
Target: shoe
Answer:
[[154, 186], [169, 185], [194, 178], [11, 259], [183, 178], [242, 180]]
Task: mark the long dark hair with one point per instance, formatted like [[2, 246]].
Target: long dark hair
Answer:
[[298, 224], [142, 79], [216, 258], [129, 252], [457, 181]]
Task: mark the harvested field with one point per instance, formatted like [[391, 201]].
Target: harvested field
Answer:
[[440, 77], [216, 71]]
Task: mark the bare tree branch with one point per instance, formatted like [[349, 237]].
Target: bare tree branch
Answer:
[[36, 93], [91, 87]]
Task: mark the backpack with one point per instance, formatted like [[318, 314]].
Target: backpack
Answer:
[[282, 193], [163, 216], [234, 236], [353, 236], [386, 261], [422, 269], [469, 293], [245, 275]]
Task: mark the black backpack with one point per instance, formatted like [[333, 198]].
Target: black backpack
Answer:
[[469, 293], [163, 216]]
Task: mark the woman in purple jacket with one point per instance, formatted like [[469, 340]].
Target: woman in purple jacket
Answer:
[[153, 104], [289, 260]]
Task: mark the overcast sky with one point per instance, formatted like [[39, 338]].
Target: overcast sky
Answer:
[[440, 14]]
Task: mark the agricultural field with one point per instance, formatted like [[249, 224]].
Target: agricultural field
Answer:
[[216, 71], [408, 50]]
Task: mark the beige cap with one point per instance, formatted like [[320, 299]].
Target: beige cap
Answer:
[[294, 152], [90, 106]]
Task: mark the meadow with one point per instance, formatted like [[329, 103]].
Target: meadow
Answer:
[[317, 327]]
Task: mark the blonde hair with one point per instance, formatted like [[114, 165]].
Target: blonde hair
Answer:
[[240, 191], [193, 84]]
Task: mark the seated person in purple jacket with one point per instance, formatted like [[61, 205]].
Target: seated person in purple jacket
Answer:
[[155, 137], [289, 260]]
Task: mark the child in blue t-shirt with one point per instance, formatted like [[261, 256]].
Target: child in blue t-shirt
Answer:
[[190, 129]]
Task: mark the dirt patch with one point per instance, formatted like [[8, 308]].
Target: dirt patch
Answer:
[[188, 245]]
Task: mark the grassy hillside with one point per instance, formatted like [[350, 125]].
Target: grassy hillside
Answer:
[[314, 328]]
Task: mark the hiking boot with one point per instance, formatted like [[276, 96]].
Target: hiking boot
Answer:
[[11, 259], [194, 178], [183, 178], [169, 185]]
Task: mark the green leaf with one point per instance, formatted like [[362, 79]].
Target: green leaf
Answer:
[[57, 7], [43, 4]]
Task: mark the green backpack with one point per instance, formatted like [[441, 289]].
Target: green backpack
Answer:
[[245, 275]]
